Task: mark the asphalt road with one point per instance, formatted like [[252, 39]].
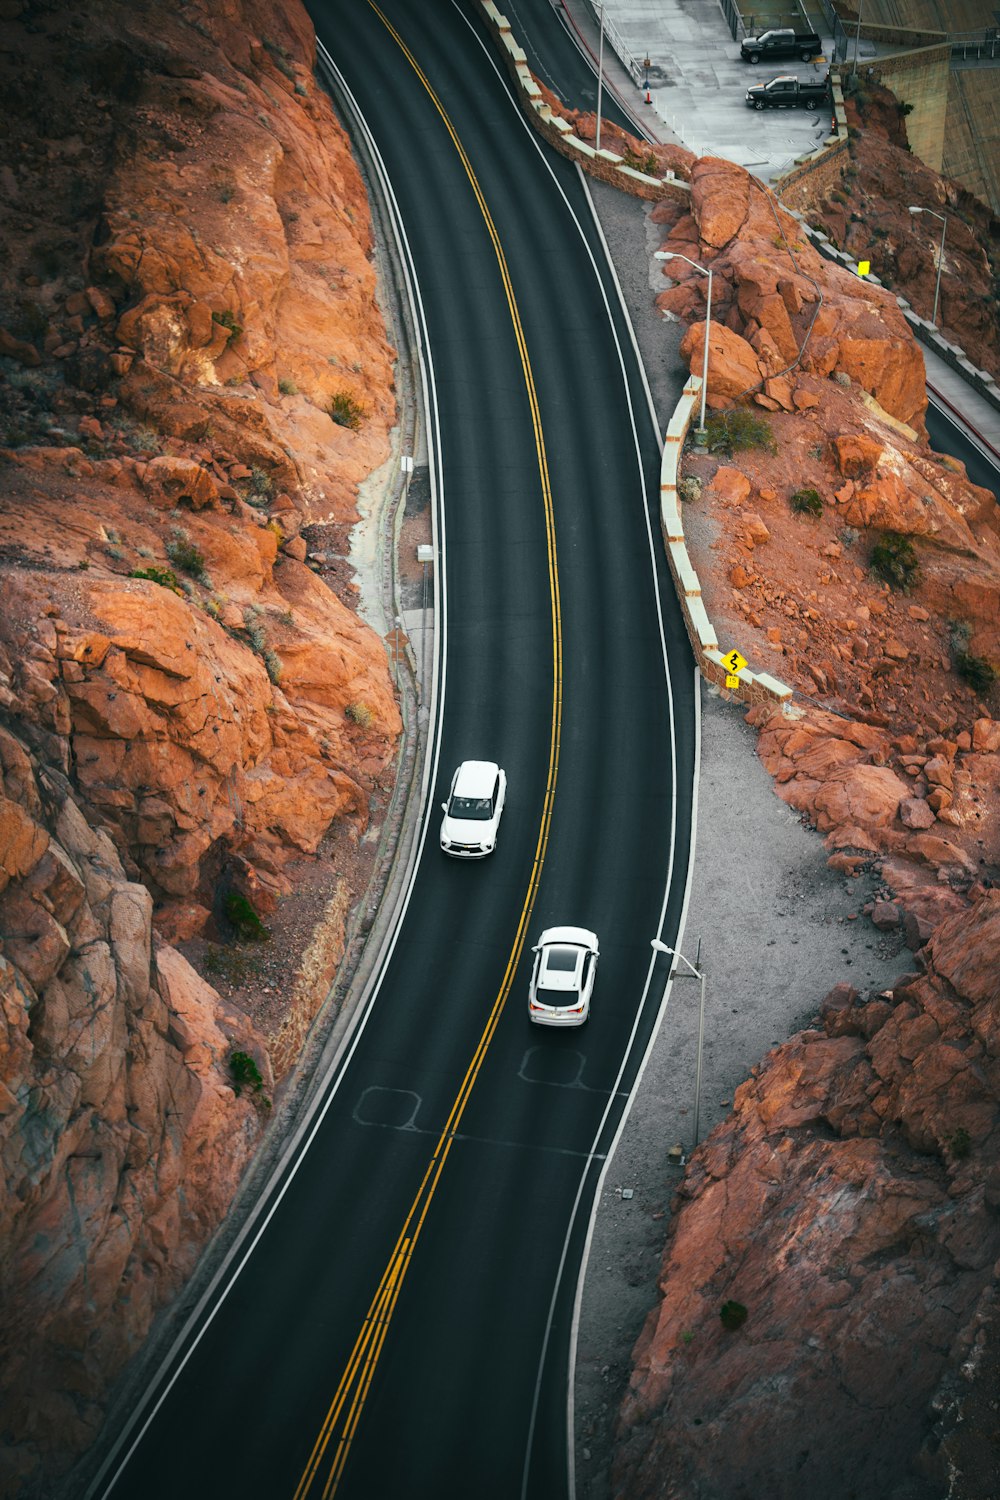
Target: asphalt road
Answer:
[[403, 1323]]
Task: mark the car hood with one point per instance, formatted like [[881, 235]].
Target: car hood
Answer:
[[465, 830]]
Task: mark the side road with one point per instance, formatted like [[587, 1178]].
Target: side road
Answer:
[[773, 923]]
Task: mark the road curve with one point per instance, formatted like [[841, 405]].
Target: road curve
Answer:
[[403, 1323]]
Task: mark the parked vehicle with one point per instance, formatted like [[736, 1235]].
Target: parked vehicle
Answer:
[[781, 43], [786, 92]]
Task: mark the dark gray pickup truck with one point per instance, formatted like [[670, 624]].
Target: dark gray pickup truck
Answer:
[[781, 43], [786, 92]]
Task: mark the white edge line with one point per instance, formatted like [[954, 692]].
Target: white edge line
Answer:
[[321, 1102]]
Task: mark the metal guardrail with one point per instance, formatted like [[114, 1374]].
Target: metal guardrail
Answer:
[[741, 25], [983, 46], [616, 41]]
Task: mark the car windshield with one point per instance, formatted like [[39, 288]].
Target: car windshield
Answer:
[[470, 807]]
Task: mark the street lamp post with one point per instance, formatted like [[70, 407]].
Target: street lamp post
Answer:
[[857, 37], [700, 435], [944, 228], [696, 972]]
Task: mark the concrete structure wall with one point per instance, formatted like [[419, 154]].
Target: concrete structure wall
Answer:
[[955, 126], [972, 133], [921, 79]]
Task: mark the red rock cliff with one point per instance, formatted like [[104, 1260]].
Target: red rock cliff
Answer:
[[849, 1205], [193, 371]]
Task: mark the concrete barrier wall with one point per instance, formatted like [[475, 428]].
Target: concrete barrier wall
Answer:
[[751, 687]]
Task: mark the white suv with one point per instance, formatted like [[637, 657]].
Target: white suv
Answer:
[[472, 812], [562, 976]]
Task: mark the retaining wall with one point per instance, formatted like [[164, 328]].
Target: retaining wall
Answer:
[[751, 687]]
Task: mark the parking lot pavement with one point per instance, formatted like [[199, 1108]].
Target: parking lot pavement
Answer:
[[698, 83]]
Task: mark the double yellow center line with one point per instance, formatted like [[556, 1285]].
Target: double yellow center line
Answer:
[[344, 1414]]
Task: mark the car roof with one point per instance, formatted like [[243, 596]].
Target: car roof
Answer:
[[476, 778], [581, 935]]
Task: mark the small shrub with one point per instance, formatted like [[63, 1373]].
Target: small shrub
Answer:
[[284, 617], [114, 552], [847, 536], [690, 488], [212, 607], [183, 553], [903, 108], [281, 59], [976, 671], [733, 1315], [226, 192], [272, 661], [165, 577], [360, 714], [255, 630], [245, 1073], [261, 488], [807, 503], [240, 913], [894, 560], [730, 431], [640, 163], [228, 321], [137, 436], [687, 1337], [346, 412], [287, 387], [301, 89], [959, 1145]]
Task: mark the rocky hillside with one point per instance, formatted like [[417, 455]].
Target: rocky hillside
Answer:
[[828, 1286], [194, 380], [867, 214]]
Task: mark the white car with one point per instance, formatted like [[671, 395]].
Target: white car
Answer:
[[472, 812], [562, 977]]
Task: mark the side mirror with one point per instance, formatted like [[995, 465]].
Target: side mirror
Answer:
[[444, 807]]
